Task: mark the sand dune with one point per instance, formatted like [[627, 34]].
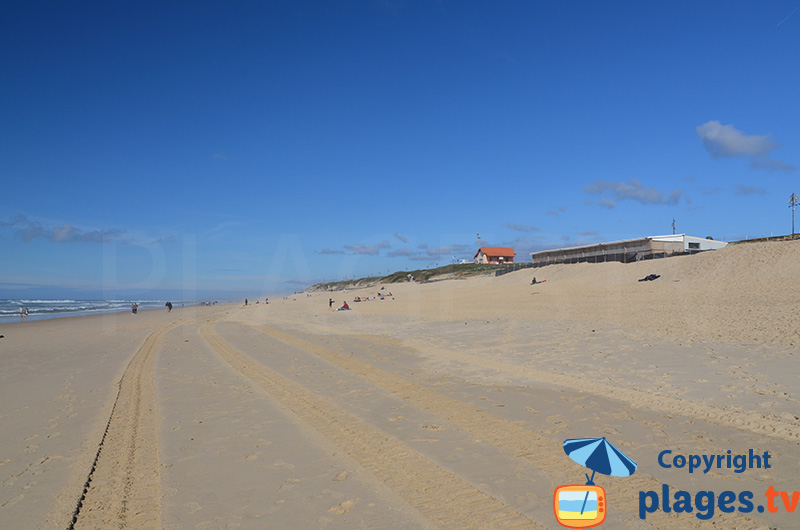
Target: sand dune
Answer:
[[444, 407]]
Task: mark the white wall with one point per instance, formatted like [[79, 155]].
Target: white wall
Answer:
[[705, 244]]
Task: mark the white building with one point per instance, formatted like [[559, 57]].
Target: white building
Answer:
[[692, 243], [628, 250]]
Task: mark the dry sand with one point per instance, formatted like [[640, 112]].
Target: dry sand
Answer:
[[445, 407]]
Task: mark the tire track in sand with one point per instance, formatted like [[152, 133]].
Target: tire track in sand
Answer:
[[124, 489], [508, 437], [439, 495]]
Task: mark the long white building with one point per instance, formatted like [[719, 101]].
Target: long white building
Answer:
[[627, 250]]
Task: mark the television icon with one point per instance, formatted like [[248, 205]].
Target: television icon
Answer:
[[579, 506]]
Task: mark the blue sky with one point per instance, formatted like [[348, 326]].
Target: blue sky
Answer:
[[207, 149]]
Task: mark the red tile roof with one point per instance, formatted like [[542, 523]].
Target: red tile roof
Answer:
[[496, 251]]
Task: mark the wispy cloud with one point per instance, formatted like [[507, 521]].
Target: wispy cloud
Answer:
[[522, 228], [424, 252], [329, 251], [747, 190], [401, 237], [28, 230], [771, 165], [402, 253], [632, 190], [787, 16], [367, 249], [445, 251], [711, 191], [607, 203], [220, 156]]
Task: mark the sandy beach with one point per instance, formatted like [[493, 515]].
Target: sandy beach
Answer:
[[443, 406]]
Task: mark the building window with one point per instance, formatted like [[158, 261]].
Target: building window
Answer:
[[694, 246]]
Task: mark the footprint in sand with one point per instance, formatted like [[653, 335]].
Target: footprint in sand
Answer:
[[283, 465], [289, 484], [340, 476], [343, 507]]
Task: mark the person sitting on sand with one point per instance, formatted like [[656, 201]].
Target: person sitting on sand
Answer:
[[345, 307]]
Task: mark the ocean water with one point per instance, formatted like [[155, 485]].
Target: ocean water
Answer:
[[571, 503], [45, 309]]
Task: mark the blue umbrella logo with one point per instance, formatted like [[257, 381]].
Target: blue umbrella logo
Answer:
[[601, 457]]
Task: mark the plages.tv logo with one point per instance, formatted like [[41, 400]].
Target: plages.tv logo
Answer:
[[586, 505]]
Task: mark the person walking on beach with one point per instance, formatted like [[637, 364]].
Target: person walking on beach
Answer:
[[245, 301], [330, 303], [168, 305], [21, 313], [25, 313]]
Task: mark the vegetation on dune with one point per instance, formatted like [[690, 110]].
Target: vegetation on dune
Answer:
[[440, 273]]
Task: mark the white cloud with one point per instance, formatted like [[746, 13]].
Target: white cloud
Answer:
[[401, 252], [522, 228], [632, 190], [726, 141], [362, 249], [747, 190], [29, 230], [771, 165], [401, 237]]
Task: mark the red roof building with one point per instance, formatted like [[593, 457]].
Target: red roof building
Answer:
[[495, 255]]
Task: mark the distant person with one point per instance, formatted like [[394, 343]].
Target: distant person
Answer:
[[266, 301], [168, 305], [345, 307], [245, 301], [21, 313], [330, 303], [25, 313]]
